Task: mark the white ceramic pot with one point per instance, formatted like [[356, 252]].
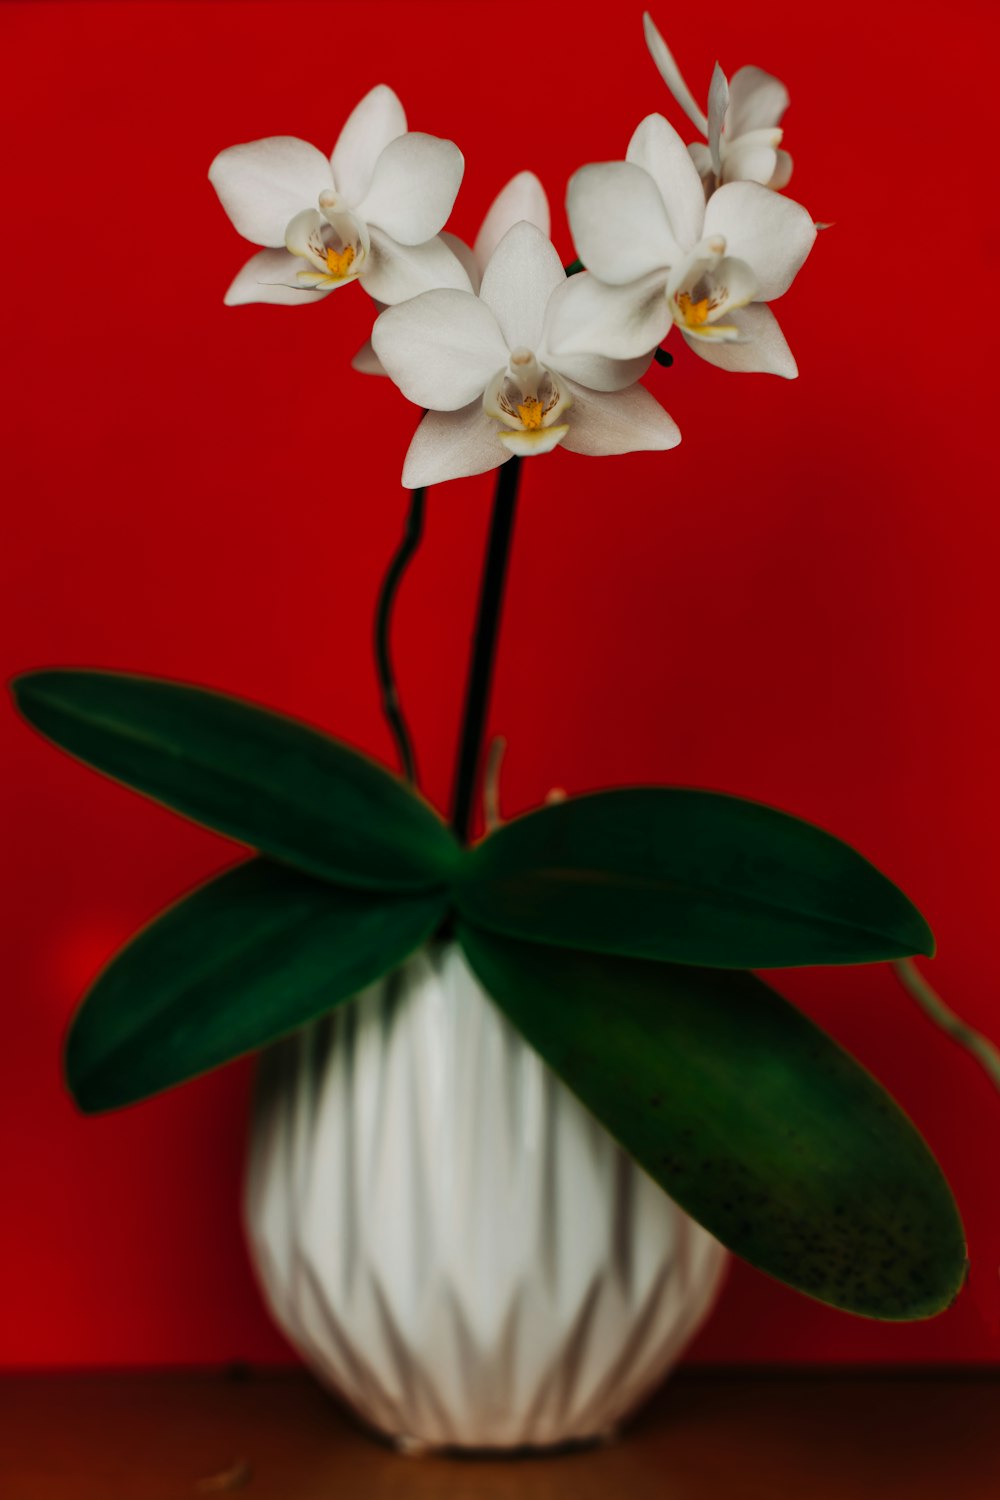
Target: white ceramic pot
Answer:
[[450, 1240]]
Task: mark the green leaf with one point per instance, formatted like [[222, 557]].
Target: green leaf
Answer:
[[270, 781], [255, 953], [748, 1115], [688, 877]]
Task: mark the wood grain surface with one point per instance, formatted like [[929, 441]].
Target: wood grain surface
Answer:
[[706, 1436]]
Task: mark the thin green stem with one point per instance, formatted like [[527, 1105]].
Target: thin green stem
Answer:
[[930, 1002], [412, 533]]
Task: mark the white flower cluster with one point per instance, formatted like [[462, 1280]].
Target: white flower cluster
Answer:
[[507, 352]]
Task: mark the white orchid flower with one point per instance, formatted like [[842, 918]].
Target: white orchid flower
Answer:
[[483, 367], [657, 255], [743, 125], [371, 212], [523, 198]]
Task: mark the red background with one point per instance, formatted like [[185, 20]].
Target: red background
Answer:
[[797, 605]]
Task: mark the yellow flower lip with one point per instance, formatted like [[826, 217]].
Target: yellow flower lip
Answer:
[[339, 262], [531, 411], [693, 314]]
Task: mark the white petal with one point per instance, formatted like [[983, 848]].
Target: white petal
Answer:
[[621, 322], [530, 444], [393, 273], [523, 272], [263, 184], [658, 149], [782, 172], [413, 188], [469, 263], [272, 276], [370, 126], [598, 373], [767, 135], [671, 74], [756, 100], [771, 233], [702, 158], [763, 350], [522, 198], [718, 103], [619, 222], [750, 164], [367, 362], [441, 348], [623, 422], [453, 445]]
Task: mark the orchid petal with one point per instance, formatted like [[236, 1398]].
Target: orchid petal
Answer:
[[718, 103], [619, 222], [702, 158], [263, 184], [756, 100], [771, 233], [453, 445], [748, 163], [671, 74], [523, 272], [394, 273], [623, 422], [782, 172], [762, 348], [413, 187], [467, 257], [658, 149], [764, 135], [598, 373], [272, 276], [522, 198], [369, 128], [441, 348], [621, 322]]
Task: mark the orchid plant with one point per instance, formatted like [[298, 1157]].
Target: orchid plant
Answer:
[[617, 930]]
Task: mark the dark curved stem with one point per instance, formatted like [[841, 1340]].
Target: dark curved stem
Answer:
[[480, 679], [412, 533]]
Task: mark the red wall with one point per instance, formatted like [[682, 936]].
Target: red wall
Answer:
[[797, 605]]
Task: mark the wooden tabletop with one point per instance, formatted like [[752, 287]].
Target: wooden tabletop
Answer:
[[706, 1436]]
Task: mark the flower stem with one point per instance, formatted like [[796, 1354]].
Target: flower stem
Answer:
[[412, 533], [930, 1002], [480, 679]]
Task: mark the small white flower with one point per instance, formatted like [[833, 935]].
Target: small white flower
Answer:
[[743, 126], [372, 211], [523, 198], [657, 254], [484, 369]]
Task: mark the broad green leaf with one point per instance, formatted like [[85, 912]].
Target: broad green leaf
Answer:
[[255, 953], [688, 877], [747, 1114], [270, 781]]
